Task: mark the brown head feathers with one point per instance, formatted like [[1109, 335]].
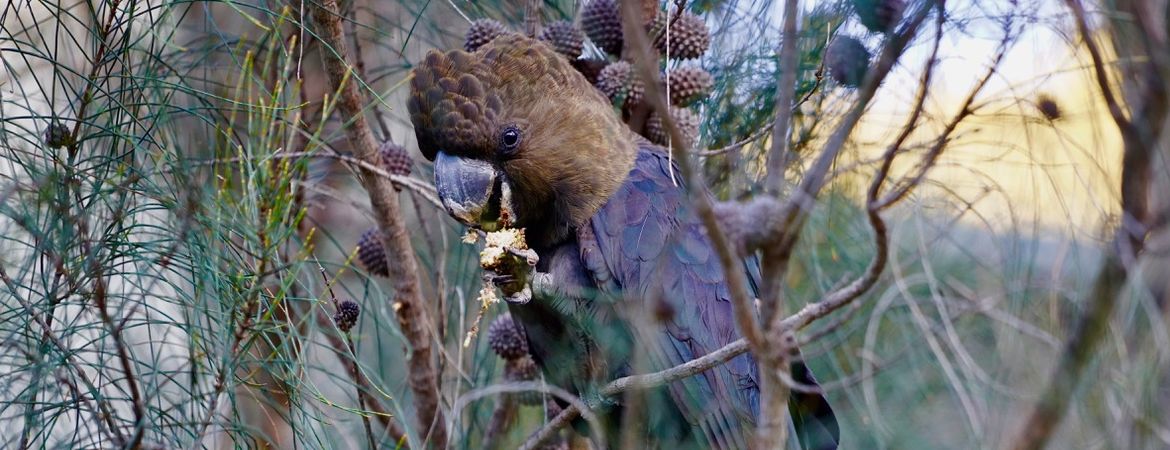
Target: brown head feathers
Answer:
[[574, 150]]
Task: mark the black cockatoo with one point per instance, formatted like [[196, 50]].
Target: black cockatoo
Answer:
[[627, 280]]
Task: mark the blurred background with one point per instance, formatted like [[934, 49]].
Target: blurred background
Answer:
[[176, 204]]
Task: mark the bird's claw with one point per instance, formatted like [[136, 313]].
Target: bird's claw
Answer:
[[595, 401], [528, 255], [520, 298], [497, 278], [516, 281], [542, 284]]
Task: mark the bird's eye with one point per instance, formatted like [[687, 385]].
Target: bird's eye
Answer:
[[509, 140]]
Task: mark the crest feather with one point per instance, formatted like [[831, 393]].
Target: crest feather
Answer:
[[456, 97]]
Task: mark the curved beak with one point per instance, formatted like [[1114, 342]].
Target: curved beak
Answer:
[[470, 190]]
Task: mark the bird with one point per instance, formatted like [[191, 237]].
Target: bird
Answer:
[[629, 280]]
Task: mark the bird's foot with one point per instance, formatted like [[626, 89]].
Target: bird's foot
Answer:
[[596, 402], [515, 277]]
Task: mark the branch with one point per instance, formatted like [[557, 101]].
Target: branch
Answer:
[[420, 187], [1127, 244], [575, 404], [940, 144], [344, 346], [774, 364], [410, 310], [644, 381], [785, 91], [787, 226]]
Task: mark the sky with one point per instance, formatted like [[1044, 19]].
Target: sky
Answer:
[[1017, 168]]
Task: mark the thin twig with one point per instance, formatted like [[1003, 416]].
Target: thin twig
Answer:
[[620, 385], [534, 386], [343, 348], [354, 370], [106, 411], [422, 188], [756, 135]]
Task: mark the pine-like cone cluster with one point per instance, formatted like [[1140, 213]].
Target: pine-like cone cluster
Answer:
[[347, 315], [395, 159], [481, 32], [58, 135], [847, 60], [880, 16], [688, 84], [564, 37], [371, 254], [621, 84], [1048, 107], [602, 21], [686, 120], [686, 37], [507, 338]]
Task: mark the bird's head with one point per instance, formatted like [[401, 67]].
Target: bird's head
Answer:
[[518, 137]]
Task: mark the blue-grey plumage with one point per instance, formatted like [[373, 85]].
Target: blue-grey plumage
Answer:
[[647, 244], [631, 281]]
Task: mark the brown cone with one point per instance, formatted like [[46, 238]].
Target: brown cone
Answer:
[[688, 84], [879, 16], [686, 120], [689, 37], [602, 22], [395, 159], [847, 60], [370, 253], [619, 82], [564, 37], [58, 135], [481, 32], [347, 315], [1048, 107], [591, 68], [506, 338]]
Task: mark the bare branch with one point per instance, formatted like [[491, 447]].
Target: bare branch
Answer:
[[785, 91], [420, 187], [410, 309], [620, 385], [1127, 244], [575, 404], [787, 226]]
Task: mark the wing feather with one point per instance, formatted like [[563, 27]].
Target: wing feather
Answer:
[[654, 246], [648, 243]]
